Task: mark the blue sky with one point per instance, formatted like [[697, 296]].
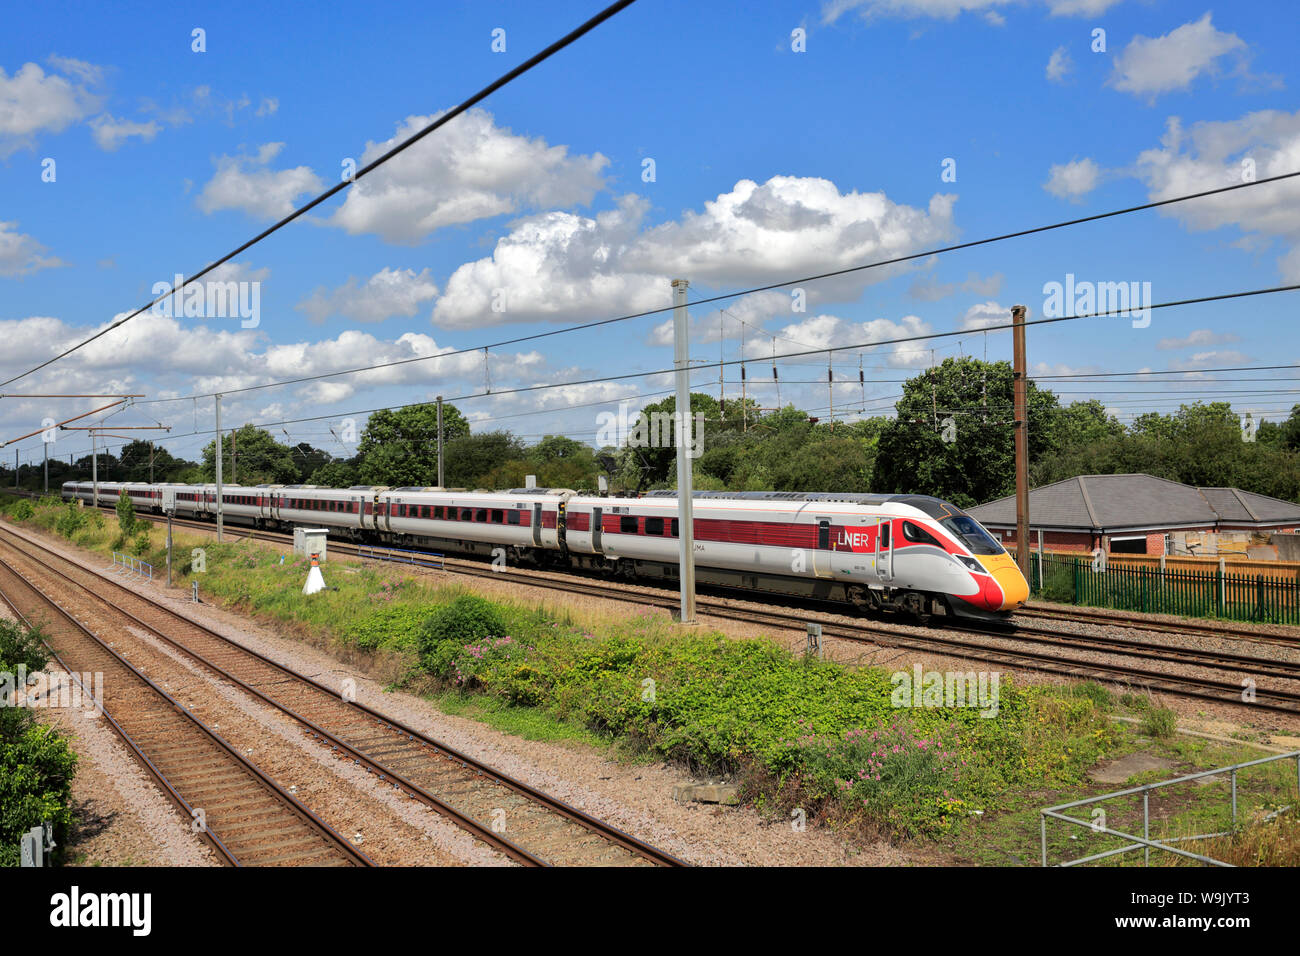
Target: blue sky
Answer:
[[769, 163]]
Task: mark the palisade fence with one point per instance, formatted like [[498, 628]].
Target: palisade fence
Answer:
[[1236, 596]]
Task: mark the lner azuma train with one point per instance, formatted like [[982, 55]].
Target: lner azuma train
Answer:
[[908, 553]]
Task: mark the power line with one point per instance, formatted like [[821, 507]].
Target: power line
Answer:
[[720, 364], [451, 114], [737, 294]]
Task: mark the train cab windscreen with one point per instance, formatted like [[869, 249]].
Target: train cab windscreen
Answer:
[[972, 534]]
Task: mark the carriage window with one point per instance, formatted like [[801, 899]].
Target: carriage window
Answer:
[[480, 514], [627, 524], [497, 516], [918, 534], [512, 517], [654, 526], [673, 533], [466, 514]]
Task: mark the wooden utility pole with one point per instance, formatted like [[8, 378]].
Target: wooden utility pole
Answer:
[[1022, 439]]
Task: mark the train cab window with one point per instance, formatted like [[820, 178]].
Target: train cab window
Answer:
[[480, 514], [918, 534], [498, 517], [654, 526], [627, 524], [512, 516]]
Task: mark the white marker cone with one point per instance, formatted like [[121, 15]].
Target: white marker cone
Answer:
[[315, 581]]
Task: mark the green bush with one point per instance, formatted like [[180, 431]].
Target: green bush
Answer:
[[36, 766], [1161, 722], [904, 780], [1094, 692], [21, 510], [396, 626], [466, 620], [22, 646], [126, 519], [141, 543], [36, 770], [70, 520]]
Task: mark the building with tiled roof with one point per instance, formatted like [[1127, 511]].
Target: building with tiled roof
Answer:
[[1134, 513]]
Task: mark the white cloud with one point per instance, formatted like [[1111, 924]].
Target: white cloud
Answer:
[[88, 73], [471, 169], [1073, 179], [1150, 66], [387, 293], [20, 255], [249, 184], [556, 266], [1200, 337], [829, 331], [268, 106], [1059, 65], [33, 102], [738, 321], [1215, 154], [790, 226], [1211, 359], [111, 132], [832, 10], [982, 315], [560, 265]]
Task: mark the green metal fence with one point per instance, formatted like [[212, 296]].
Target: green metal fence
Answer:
[[1211, 593]]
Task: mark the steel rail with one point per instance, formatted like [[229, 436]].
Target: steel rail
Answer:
[[485, 833], [282, 796]]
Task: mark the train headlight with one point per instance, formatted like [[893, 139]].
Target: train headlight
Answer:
[[971, 564]]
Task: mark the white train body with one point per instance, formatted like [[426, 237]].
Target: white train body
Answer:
[[880, 551]]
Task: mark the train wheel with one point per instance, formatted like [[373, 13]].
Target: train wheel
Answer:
[[917, 606]]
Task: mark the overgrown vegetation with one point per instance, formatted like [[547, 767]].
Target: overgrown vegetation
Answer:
[[802, 735], [36, 764], [799, 732]]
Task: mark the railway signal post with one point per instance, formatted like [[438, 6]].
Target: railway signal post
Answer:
[[1022, 439], [685, 510]]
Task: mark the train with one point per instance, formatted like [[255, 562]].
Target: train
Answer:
[[903, 553]]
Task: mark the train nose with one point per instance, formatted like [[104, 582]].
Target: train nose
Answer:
[[1006, 574]]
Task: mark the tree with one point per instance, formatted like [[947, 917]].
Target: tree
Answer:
[[125, 513], [400, 446], [309, 460], [335, 474], [260, 459], [137, 457], [649, 454], [954, 435], [469, 459]]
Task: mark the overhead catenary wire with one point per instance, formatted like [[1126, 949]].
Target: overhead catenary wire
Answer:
[[852, 347], [880, 263], [533, 61]]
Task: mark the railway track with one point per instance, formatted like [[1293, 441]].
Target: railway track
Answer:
[[526, 824], [1138, 623], [1042, 649], [241, 813]]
